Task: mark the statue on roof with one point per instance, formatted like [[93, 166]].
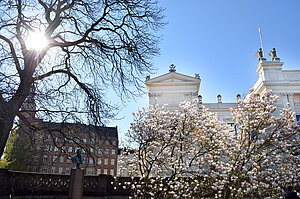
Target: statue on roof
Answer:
[[260, 54], [172, 68], [274, 55]]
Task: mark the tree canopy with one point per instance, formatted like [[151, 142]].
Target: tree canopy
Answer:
[[191, 154], [91, 45]]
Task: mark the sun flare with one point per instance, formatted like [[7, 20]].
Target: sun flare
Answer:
[[36, 40]]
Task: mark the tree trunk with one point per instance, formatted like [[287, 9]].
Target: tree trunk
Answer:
[[6, 123], [9, 110]]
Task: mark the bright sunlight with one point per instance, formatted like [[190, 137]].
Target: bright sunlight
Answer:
[[36, 40]]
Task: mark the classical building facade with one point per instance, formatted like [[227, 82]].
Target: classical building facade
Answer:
[[172, 88], [283, 83]]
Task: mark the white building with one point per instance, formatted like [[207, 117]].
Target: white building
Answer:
[[283, 83], [172, 88]]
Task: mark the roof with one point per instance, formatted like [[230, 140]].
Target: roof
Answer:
[[110, 132], [173, 78]]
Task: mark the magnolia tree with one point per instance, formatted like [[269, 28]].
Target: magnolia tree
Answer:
[[190, 153]]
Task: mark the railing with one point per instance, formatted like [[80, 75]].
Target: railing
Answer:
[[13, 183]]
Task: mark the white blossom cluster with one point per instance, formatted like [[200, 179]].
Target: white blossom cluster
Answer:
[[190, 154]]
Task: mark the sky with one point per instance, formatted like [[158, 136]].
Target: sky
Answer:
[[218, 40]]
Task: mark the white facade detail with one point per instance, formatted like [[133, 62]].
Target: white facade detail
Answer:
[[283, 83], [173, 88]]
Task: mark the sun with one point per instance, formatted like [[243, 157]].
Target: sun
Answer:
[[36, 41]]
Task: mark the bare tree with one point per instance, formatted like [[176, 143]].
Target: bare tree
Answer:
[[92, 44]]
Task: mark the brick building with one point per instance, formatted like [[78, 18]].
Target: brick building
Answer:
[[59, 142]]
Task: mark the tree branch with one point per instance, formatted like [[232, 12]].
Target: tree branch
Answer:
[[14, 55]]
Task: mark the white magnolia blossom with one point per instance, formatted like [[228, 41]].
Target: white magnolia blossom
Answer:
[[191, 154]]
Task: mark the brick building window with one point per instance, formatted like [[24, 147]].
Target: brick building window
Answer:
[[44, 170], [91, 161], [107, 142], [90, 171], [106, 161], [60, 170], [113, 151], [98, 171], [99, 161], [70, 150], [106, 151], [67, 170], [45, 158], [105, 171], [112, 161], [100, 151], [112, 172], [53, 170], [114, 142], [54, 158]]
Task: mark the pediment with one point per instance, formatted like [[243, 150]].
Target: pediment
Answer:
[[173, 78]]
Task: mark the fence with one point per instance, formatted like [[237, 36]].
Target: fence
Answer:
[[15, 184]]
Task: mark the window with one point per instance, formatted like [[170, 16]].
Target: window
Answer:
[[98, 171], [99, 161], [90, 171], [107, 142], [100, 151], [44, 170], [47, 148], [83, 151], [92, 150], [112, 161], [106, 161], [105, 171], [100, 141], [113, 151], [67, 170], [60, 170], [55, 149], [70, 150], [112, 172], [45, 158], [92, 141], [91, 161], [71, 141], [114, 142], [106, 151], [53, 170], [57, 139], [84, 140], [62, 158], [54, 158], [297, 118]]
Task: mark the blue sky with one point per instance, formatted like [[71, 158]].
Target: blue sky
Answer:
[[218, 40]]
